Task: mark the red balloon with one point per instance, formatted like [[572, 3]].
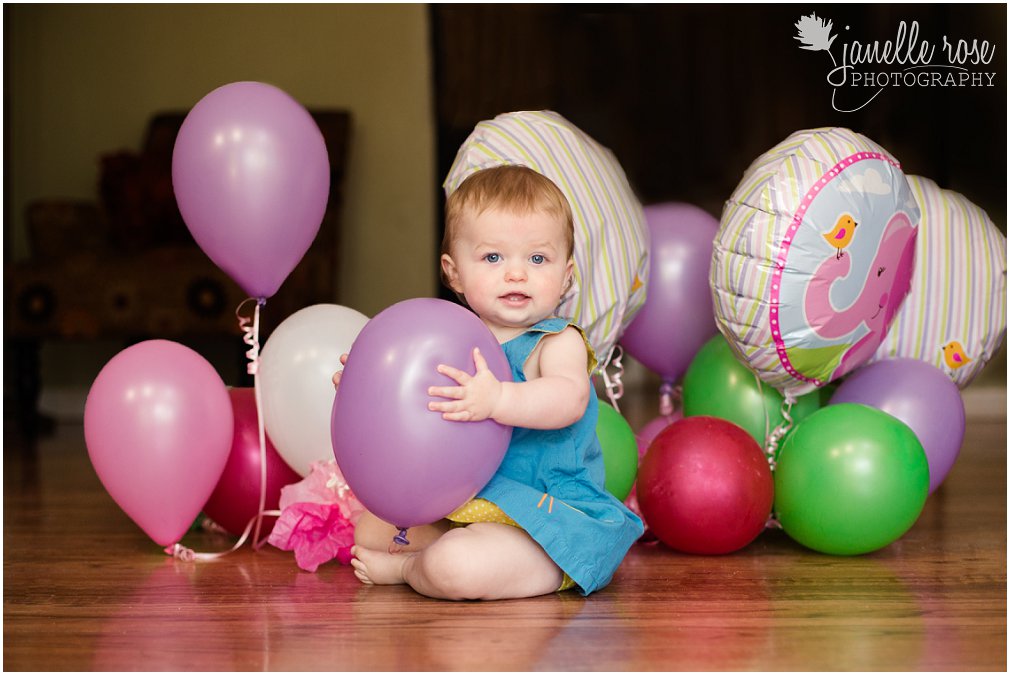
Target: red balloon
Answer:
[[236, 499], [705, 486]]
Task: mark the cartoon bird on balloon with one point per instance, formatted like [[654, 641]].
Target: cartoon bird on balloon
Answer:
[[841, 234], [954, 356]]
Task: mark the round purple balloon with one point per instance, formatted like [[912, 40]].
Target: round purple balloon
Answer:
[[677, 317], [252, 178], [921, 396], [406, 464]]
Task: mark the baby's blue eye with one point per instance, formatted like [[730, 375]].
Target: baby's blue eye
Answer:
[[537, 259], [492, 257]]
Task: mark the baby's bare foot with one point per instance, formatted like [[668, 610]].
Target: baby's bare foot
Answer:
[[378, 567]]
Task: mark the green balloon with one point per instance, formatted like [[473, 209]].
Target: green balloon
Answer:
[[718, 385], [620, 451], [850, 480]]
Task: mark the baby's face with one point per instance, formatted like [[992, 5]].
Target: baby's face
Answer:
[[512, 269]]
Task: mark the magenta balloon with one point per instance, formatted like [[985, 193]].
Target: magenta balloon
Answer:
[[236, 498], [404, 462], [921, 396], [677, 317], [158, 426], [252, 178], [705, 486]]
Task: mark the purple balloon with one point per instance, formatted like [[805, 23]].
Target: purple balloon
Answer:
[[252, 178], [406, 464], [677, 317], [921, 396]]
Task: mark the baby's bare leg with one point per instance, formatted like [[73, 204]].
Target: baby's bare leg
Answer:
[[375, 533], [484, 561]]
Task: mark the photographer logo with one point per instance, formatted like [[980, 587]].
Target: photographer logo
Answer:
[[863, 70]]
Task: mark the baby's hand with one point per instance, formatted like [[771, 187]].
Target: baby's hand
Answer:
[[337, 375], [474, 399]]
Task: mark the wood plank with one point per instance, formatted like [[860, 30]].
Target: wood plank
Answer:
[[84, 589]]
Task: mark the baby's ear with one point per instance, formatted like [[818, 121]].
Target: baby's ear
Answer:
[[450, 275], [569, 275]]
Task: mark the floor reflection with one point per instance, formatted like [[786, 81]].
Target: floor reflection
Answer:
[[237, 614]]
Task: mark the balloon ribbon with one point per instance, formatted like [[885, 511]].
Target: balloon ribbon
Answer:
[[614, 385], [773, 438], [183, 553], [251, 331]]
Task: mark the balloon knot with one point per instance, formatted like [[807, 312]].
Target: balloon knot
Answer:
[[180, 552], [668, 394], [401, 537]]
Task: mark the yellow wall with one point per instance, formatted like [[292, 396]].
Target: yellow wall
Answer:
[[83, 80]]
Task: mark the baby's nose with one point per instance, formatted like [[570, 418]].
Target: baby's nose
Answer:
[[515, 273]]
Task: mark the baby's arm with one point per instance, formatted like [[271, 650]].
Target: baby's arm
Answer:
[[554, 399]]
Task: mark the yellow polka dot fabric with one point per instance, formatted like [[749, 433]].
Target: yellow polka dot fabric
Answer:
[[480, 511], [483, 511]]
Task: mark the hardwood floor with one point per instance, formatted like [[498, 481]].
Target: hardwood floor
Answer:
[[84, 589]]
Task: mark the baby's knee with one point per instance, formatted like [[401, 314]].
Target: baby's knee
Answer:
[[450, 566]]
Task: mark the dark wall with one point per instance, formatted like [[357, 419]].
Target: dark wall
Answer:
[[687, 96]]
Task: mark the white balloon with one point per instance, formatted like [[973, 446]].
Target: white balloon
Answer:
[[295, 377]]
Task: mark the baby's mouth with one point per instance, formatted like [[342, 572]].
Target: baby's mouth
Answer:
[[515, 298]]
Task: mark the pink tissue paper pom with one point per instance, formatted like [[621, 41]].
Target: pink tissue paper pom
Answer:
[[324, 485], [317, 533], [317, 518]]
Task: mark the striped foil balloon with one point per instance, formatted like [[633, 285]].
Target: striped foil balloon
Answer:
[[955, 315], [813, 256], [611, 239]]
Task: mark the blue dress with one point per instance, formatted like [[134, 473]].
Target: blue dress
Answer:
[[551, 483]]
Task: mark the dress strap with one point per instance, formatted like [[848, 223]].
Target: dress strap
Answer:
[[519, 348]]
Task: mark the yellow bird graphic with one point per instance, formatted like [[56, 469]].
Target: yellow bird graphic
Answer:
[[841, 234], [953, 354]]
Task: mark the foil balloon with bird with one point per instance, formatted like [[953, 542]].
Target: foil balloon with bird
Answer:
[[955, 314], [813, 257]]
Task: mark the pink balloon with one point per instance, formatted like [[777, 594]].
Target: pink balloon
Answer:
[[158, 425], [644, 438], [252, 178], [236, 499], [651, 429], [677, 317], [404, 462]]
